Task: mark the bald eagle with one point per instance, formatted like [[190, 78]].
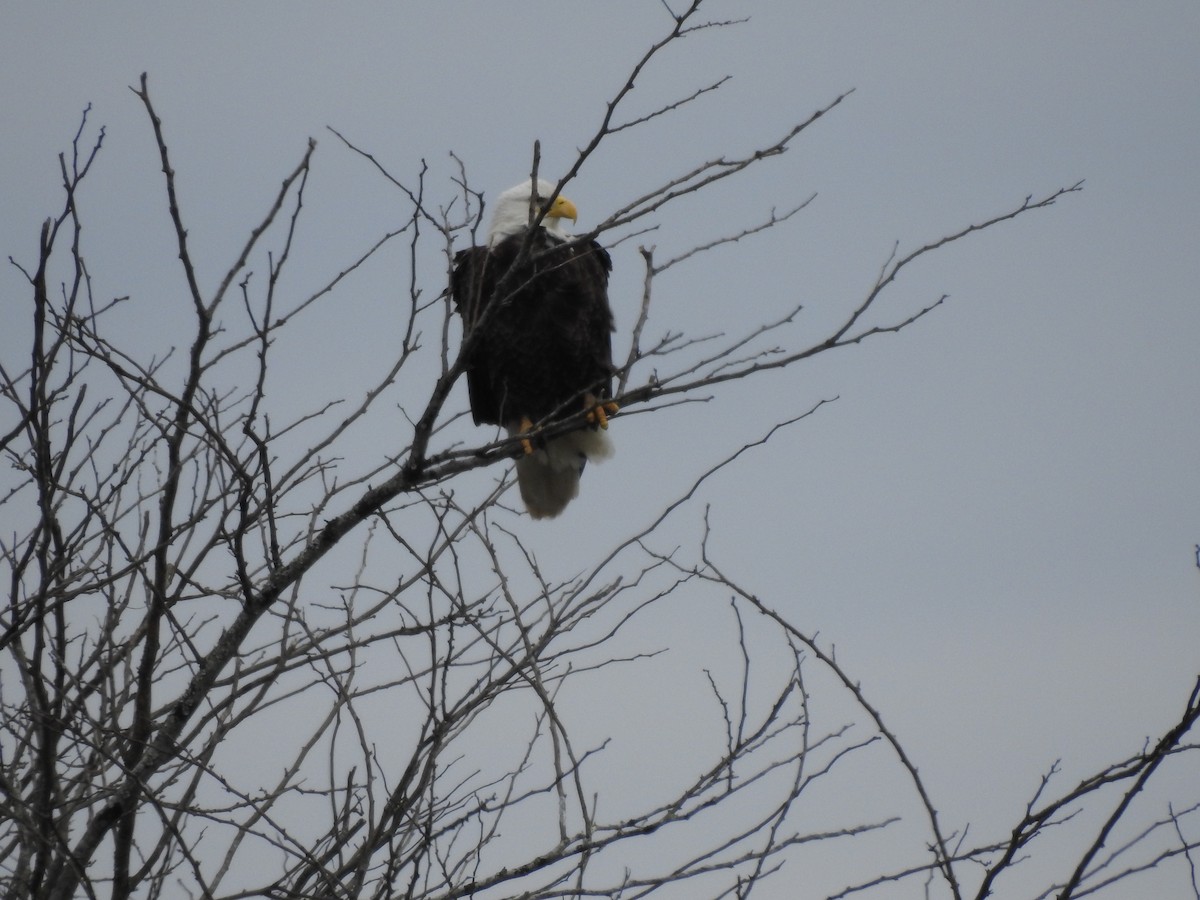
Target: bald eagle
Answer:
[[538, 331]]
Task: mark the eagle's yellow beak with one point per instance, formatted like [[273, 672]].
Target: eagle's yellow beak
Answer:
[[563, 209]]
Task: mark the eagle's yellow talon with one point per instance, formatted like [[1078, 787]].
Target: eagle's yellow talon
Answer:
[[526, 444], [599, 412]]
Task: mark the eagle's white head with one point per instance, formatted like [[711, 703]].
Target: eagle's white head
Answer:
[[512, 212]]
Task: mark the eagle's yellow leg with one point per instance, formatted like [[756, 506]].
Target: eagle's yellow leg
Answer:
[[599, 412], [525, 426]]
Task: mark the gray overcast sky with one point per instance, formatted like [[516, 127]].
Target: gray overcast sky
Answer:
[[995, 521]]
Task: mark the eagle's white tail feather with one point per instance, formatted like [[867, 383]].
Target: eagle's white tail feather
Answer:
[[549, 477]]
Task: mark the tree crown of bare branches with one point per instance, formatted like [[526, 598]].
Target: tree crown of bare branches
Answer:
[[159, 525]]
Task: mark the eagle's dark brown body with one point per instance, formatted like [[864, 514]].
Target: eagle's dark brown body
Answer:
[[544, 341]]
